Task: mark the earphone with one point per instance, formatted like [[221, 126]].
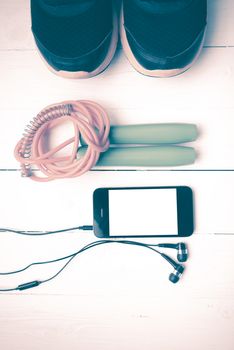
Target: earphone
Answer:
[[182, 254], [174, 277]]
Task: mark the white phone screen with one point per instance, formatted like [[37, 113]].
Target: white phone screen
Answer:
[[139, 212]]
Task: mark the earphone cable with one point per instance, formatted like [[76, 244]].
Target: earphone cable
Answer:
[[97, 243], [8, 290], [70, 257], [48, 261], [45, 233]]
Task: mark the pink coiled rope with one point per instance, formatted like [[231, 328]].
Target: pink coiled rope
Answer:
[[89, 120]]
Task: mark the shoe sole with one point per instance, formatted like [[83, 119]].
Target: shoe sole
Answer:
[[98, 70], [157, 73]]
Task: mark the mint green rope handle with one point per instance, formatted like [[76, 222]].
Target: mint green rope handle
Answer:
[[171, 133], [151, 134], [148, 156]]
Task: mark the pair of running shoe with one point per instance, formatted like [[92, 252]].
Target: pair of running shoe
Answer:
[[78, 38]]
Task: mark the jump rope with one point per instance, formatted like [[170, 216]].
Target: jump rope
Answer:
[[95, 142]]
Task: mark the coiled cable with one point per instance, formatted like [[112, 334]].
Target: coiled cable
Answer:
[[90, 121]]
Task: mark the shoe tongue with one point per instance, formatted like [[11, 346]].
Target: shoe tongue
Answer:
[[163, 6]]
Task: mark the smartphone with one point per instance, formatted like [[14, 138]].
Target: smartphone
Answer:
[[143, 212]]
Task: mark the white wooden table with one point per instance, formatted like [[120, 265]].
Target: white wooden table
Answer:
[[119, 297]]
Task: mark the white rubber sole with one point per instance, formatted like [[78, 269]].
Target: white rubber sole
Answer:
[[98, 70], [167, 73]]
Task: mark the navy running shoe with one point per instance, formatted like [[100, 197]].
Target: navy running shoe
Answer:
[[76, 38], [163, 38]]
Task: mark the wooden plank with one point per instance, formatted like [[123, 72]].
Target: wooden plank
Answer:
[[116, 269], [118, 297], [61, 322], [202, 96], [68, 203], [220, 23], [15, 31], [125, 301]]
